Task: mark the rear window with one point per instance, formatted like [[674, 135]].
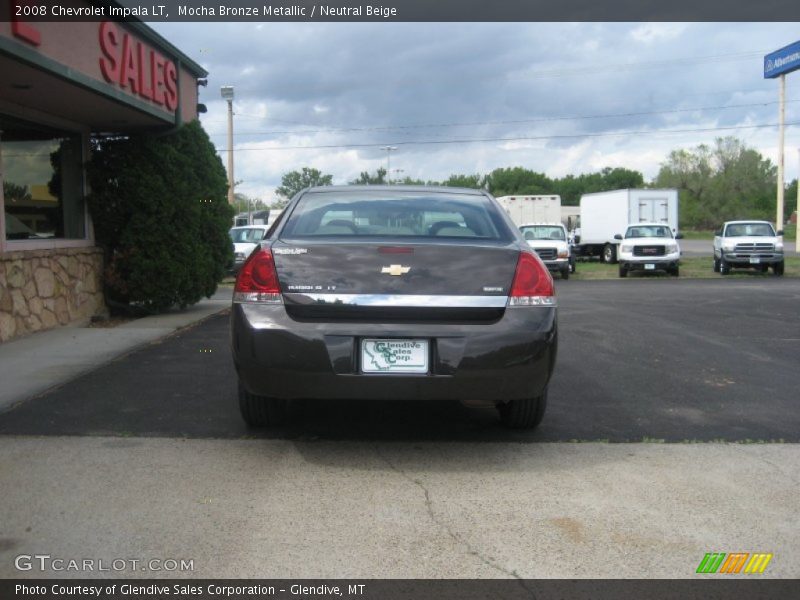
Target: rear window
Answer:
[[395, 214]]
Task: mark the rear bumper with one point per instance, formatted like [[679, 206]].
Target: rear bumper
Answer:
[[279, 357]]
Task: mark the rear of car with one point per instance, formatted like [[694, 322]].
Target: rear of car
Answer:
[[398, 293], [648, 247]]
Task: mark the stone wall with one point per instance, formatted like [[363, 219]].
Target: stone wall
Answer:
[[41, 289]]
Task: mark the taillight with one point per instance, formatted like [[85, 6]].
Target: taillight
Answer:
[[533, 285], [258, 280]]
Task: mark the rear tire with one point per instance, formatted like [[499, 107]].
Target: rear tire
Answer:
[[609, 254], [565, 272], [623, 271], [777, 269], [523, 414], [260, 411]]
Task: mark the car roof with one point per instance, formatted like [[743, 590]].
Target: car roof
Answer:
[[542, 224], [433, 189], [648, 224], [259, 226]]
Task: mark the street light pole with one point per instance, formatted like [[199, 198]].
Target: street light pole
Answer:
[[389, 150], [227, 94]]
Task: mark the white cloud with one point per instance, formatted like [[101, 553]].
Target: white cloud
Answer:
[[649, 33], [313, 84]]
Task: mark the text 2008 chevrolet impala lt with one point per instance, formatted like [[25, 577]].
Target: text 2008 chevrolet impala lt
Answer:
[[400, 293]]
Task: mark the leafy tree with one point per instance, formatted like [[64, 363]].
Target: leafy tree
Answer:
[[294, 181], [475, 181], [161, 214], [728, 181], [367, 178], [14, 192], [411, 181], [518, 180], [790, 200], [620, 179], [243, 203]]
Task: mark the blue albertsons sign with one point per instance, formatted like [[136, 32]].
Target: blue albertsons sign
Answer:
[[785, 60]]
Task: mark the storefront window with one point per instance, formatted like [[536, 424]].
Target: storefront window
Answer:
[[42, 184]]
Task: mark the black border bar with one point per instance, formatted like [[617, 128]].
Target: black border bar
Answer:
[[706, 587], [414, 10]]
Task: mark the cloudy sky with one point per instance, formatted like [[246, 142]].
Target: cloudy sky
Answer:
[[468, 98]]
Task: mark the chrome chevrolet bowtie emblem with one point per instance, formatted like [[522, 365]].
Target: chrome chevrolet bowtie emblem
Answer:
[[395, 270]]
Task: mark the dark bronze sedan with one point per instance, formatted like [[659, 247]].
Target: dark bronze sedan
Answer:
[[368, 292]]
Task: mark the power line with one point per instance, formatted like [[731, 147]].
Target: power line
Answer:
[[509, 122], [513, 139]]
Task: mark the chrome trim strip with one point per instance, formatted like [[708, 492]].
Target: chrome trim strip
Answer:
[[402, 300]]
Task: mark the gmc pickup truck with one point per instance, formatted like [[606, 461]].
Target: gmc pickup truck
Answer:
[[748, 245], [648, 247]]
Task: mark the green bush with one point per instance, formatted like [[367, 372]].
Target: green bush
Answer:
[[160, 211]]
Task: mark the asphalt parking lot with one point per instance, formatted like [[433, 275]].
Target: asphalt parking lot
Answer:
[[147, 457], [638, 361]]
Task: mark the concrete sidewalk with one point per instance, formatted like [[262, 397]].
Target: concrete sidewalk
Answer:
[[316, 509], [34, 364]]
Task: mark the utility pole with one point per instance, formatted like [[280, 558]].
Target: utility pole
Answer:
[[389, 150], [227, 94]]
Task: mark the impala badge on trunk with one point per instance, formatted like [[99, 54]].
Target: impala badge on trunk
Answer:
[[395, 270]]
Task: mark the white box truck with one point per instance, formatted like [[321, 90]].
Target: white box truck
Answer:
[[526, 210], [606, 214]]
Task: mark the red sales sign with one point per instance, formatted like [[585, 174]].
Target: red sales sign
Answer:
[[132, 65], [125, 62]]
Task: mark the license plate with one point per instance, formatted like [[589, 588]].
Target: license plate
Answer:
[[754, 260], [394, 356], [649, 267]]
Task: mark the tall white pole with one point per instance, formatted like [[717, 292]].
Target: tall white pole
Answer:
[[781, 122], [230, 152]]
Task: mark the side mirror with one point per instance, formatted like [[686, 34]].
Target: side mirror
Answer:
[[780, 232], [718, 233], [678, 236], [618, 236]]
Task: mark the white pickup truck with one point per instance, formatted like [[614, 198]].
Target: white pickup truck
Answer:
[[245, 240], [748, 245], [549, 241], [648, 247]]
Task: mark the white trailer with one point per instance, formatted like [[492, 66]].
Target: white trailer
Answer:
[[605, 214], [525, 210]]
